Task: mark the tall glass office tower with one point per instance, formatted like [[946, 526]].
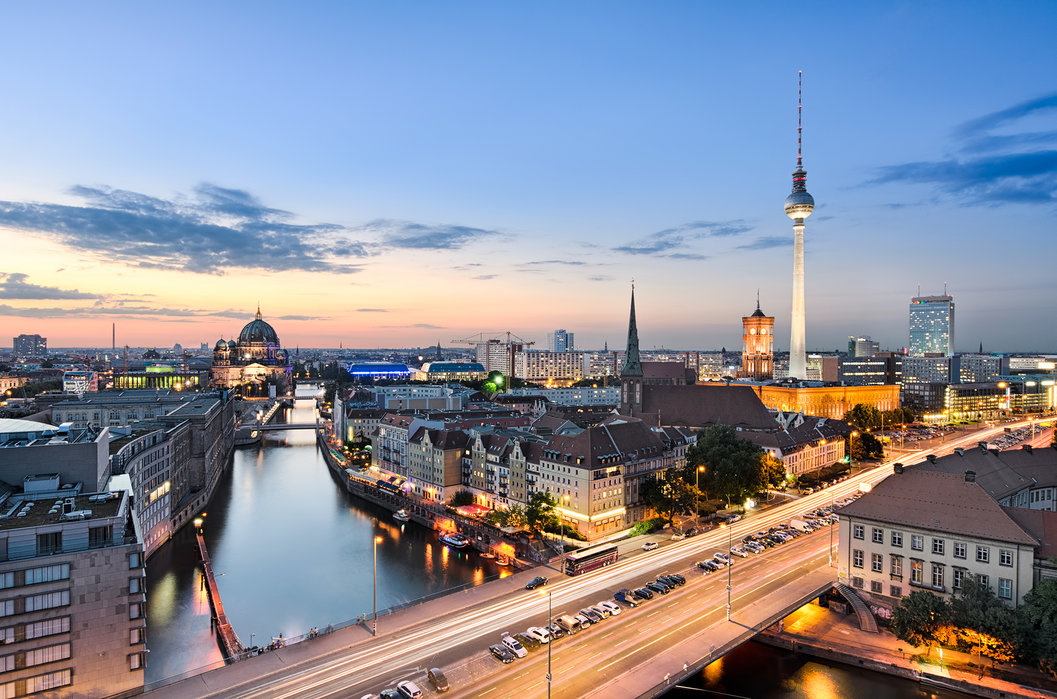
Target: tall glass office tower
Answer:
[[932, 325]]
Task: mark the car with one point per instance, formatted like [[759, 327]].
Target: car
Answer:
[[409, 690], [556, 631], [650, 545], [678, 537], [721, 558], [658, 587], [540, 634], [610, 607], [538, 581], [585, 621], [739, 551], [591, 614], [627, 597], [668, 580], [601, 611], [529, 642], [679, 579], [437, 680], [513, 645], [733, 518], [708, 566], [501, 654], [390, 694], [692, 531], [754, 547], [643, 593]]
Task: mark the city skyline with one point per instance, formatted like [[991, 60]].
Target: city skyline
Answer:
[[379, 177]]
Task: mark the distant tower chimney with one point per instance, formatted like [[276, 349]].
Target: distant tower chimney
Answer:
[[897, 468], [970, 476]]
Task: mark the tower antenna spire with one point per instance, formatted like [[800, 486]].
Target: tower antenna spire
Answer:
[[799, 109]]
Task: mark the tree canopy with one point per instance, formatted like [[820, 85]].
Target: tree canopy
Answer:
[[540, 511], [920, 618], [734, 467]]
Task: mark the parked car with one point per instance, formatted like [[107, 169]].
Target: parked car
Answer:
[[650, 545], [556, 631], [529, 642], [658, 587], [679, 579], [390, 693], [585, 621], [538, 581], [609, 606], [591, 614], [501, 654], [668, 580], [708, 566], [437, 680], [409, 690], [601, 611], [692, 531], [721, 558], [513, 646], [627, 597], [739, 551], [643, 593], [539, 633], [678, 537]]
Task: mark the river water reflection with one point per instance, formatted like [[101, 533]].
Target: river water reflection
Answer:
[[291, 550]]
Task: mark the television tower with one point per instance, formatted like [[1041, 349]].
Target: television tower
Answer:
[[798, 206]]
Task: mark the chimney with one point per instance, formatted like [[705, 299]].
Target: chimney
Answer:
[[897, 468], [1026, 447], [970, 476], [959, 451], [931, 458], [982, 445]]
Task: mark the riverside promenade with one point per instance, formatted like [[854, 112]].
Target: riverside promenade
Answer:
[[816, 631], [230, 645]]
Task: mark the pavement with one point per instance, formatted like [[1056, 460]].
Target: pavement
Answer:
[[815, 630]]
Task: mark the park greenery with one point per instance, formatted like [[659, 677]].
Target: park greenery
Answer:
[[719, 465], [975, 621]]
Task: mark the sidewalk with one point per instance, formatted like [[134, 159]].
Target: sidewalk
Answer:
[[814, 630]]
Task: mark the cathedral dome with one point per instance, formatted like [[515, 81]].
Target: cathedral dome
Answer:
[[258, 331], [221, 344]]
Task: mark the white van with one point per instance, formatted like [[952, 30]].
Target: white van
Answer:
[[570, 624]]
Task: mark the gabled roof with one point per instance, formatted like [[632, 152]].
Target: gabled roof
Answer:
[[1041, 524], [607, 444], [941, 502], [703, 405], [1002, 473]]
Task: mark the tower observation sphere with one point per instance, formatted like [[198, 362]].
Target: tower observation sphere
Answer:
[[799, 204]]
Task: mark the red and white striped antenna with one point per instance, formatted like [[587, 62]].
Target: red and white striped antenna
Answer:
[[799, 108]]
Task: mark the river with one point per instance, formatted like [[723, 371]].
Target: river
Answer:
[[291, 550]]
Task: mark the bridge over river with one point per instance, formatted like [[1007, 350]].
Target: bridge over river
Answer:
[[638, 653]]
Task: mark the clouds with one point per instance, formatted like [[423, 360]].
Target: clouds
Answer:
[[767, 242], [13, 285], [664, 243], [992, 168], [211, 232], [419, 236]]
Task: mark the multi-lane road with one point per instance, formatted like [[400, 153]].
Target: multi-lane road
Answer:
[[632, 649]]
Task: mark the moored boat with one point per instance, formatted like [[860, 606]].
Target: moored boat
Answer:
[[456, 540], [401, 516]]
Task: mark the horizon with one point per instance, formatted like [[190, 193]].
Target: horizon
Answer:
[[372, 175]]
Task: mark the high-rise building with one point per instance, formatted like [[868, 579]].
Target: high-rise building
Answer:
[[30, 346], [932, 326], [561, 341], [798, 206], [757, 342], [862, 347]]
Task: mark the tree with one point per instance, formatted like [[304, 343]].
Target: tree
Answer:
[[985, 624], [733, 467], [540, 511], [460, 498], [863, 417], [668, 494], [773, 471], [1037, 618], [865, 446], [920, 619]]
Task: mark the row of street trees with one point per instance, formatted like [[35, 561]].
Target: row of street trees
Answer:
[[977, 622], [719, 465]]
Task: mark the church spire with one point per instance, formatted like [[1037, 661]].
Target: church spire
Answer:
[[258, 310], [632, 365]]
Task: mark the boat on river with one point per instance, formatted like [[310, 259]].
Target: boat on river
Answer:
[[487, 554], [455, 540], [401, 516]]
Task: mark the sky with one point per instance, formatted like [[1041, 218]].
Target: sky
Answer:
[[402, 174]]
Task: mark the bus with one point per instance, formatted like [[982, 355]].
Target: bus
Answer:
[[586, 560]]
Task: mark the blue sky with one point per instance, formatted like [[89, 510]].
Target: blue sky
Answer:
[[403, 173]]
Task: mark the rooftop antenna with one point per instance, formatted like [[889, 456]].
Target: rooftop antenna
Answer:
[[944, 288], [919, 288], [757, 299]]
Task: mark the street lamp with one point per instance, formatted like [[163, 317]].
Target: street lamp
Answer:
[[550, 640], [730, 564], [565, 503], [697, 492], [374, 603]]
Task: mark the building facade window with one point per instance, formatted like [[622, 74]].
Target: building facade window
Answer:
[[983, 554], [878, 535], [916, 572], [1005, 588], [937, 547], [858, 531], [956, 579], [937, 576], [1005, 557], [959, 549], [876, 586], [876, 562], [897, 567], [917, 542], [897, 539], [49, 543], [857, 582], [856, 558], [895, 591]]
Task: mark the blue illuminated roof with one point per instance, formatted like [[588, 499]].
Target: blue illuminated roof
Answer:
[[378, 369]]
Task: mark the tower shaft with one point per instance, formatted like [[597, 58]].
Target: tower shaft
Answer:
[[797, 348]]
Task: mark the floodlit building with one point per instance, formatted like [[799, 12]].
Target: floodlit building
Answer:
[[548, 367], [932, 326], [757, 341], [30, 346], [252, 361], [561, 341]]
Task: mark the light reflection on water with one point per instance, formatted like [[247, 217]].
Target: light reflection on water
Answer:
[[295, 551]]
